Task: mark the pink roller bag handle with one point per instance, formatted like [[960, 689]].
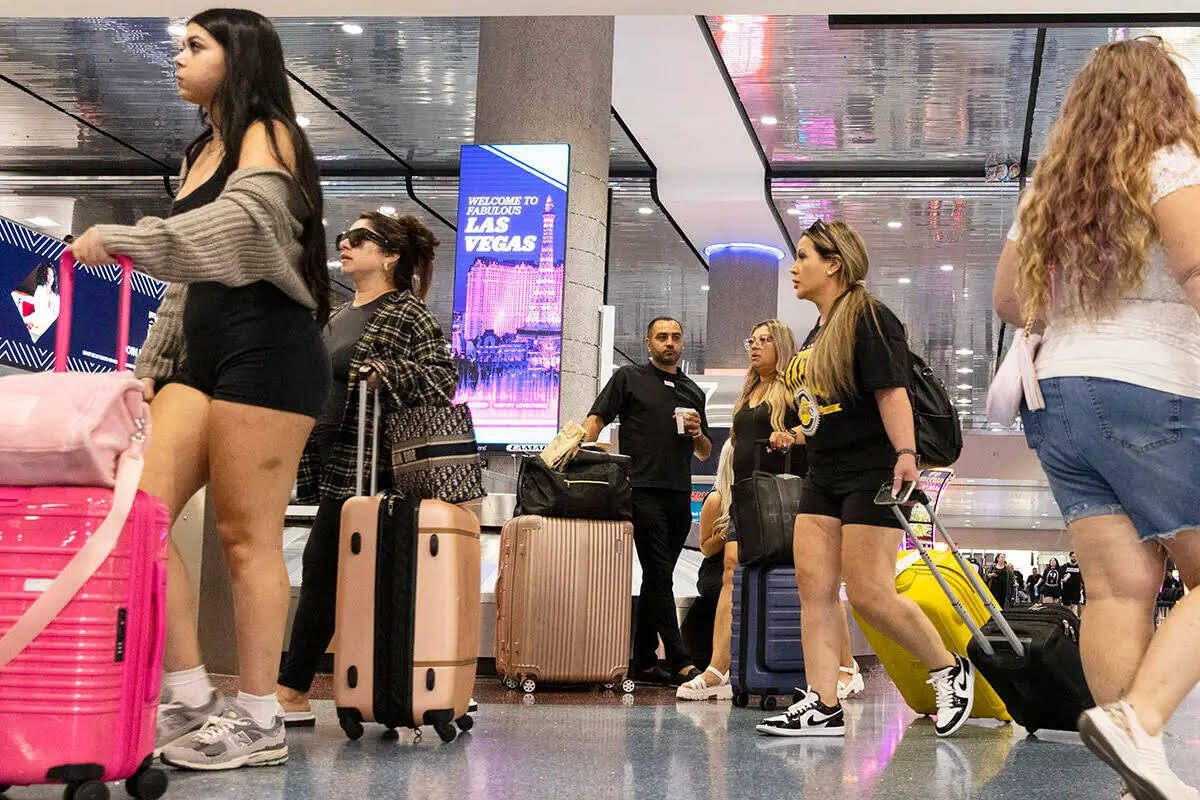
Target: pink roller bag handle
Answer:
[[87, 430]]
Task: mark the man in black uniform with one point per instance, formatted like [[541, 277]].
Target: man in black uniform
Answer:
[[645, 398], [1072, 592]]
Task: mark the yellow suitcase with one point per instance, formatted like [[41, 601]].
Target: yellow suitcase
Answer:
[[914, 579]]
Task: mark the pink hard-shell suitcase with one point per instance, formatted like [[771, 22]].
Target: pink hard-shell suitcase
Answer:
[[79, 682]]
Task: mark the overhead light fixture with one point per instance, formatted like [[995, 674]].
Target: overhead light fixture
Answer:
[[769, 120], [965, 370], [947, 268], [704, 288], [747, 247], [965, 386], [177, 30], [904, 280], [729, 27], [895, 224], [42, 222], [795, 212], [964, 401], [303, 121], [389, 210], [964, 352], [645, 210], [351, 28]]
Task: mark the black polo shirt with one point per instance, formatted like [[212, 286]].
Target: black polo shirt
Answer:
[[644, 399]]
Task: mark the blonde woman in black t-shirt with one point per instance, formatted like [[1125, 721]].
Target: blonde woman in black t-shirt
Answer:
[[850, 382]]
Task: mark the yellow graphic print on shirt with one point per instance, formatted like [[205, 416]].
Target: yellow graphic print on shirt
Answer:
[[807, 407]]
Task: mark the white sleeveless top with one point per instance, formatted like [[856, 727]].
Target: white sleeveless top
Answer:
[[1152, 339]]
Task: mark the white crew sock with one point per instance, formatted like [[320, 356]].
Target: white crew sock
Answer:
[[191, 687], [262, 708]]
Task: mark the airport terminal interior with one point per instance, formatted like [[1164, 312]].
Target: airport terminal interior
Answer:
[[701, 148]]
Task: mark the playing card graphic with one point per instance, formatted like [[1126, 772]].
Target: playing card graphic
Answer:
[[36, 299]]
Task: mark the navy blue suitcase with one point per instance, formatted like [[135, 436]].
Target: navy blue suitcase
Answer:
[[767, 658]]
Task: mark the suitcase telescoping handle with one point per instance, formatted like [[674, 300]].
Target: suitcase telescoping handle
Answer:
[[917, 497], [66, 294], [362, 436]]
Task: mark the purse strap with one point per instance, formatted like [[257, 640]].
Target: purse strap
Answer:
[[84, 564]]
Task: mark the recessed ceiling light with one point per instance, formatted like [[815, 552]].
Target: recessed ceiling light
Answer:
[[965, 386], [905, 280], [178, 31], [645, 210], [352, 28], [704, 288], [964, 401], [769, 120], [795, 212], [895, 224], [729, 27], [42, 222], [947, 268], [964, 352], [965, 370], [387, 210], [303, 121]]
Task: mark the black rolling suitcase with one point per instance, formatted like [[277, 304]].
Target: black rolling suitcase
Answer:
[[1044, 686], [1030, 657]]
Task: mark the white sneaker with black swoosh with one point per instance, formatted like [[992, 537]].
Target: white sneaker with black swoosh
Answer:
[[955, 690], [809, 717]]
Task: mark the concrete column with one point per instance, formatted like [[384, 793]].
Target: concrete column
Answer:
[[743, 283], [549, 79]]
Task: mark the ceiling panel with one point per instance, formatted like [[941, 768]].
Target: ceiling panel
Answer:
[[913, 230], [1068, 50], [652, 272], [877, 95]]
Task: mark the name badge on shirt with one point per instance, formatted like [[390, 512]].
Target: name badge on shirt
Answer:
[[669, 383]]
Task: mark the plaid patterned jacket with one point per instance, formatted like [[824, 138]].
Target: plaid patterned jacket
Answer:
[[403, 342]]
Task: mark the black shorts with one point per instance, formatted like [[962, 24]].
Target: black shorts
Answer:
[[254, 345], [850, 502]]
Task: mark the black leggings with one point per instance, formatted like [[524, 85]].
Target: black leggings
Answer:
[[313, 627]]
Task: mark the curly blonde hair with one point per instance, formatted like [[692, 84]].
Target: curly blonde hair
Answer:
[[1088, 221]]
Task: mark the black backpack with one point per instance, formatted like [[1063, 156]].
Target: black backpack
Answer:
[[939, 436]]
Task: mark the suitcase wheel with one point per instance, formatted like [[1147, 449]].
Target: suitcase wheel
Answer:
[[391, 733], [741, 699], [627, 686], [86, 790], [768, 703], [147, 784], [351, 722], [510, 683], [529, 686], [465, 723], [608, 687], [446, 731]]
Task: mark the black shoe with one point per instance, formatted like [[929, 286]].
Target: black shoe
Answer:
[[653, 676], [680, 678]]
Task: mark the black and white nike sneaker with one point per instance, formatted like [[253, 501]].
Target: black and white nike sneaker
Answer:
[[955, 690], [809, 717]]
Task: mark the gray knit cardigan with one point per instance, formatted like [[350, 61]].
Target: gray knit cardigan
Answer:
[[250, 233]]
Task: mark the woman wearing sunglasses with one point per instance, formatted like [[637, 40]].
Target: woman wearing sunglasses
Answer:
[[388, 337], [850, 380]]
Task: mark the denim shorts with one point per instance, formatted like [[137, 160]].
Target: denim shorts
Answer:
[[1110, 447]]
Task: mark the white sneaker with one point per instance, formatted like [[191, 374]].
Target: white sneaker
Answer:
[[848, 687], [809, 717], [954, 688], [233, 739], [1114, 734], [697, 689]]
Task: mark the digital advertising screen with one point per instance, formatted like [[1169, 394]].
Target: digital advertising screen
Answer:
[[508, 290], [29, 272]]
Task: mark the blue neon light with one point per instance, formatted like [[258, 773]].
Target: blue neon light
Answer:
[[748, 247]]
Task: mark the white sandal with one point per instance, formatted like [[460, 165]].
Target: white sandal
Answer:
[[696, 689], [853, 686]]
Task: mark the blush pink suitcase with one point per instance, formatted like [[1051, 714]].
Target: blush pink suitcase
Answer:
[[78, 703]]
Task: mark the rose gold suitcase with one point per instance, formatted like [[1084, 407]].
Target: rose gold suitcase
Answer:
[[563, 601], [407, 620]]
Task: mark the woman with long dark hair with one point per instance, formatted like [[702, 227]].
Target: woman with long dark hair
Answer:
[[234, 365], [850, 380], [1105, 257]]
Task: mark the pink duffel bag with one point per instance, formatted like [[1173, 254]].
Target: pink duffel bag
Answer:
[[82, 574]]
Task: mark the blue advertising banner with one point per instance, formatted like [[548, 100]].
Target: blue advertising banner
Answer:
[[508, 290], [29, 272]]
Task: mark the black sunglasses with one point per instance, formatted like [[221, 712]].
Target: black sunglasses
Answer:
[[821, 229], [356, 236]]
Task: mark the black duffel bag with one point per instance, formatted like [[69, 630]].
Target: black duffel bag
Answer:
[[765, 506], [594, 485]]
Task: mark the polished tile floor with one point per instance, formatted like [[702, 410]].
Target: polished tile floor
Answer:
[[586, 744]]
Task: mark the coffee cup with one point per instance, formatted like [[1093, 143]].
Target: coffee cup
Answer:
[[680, 413]]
